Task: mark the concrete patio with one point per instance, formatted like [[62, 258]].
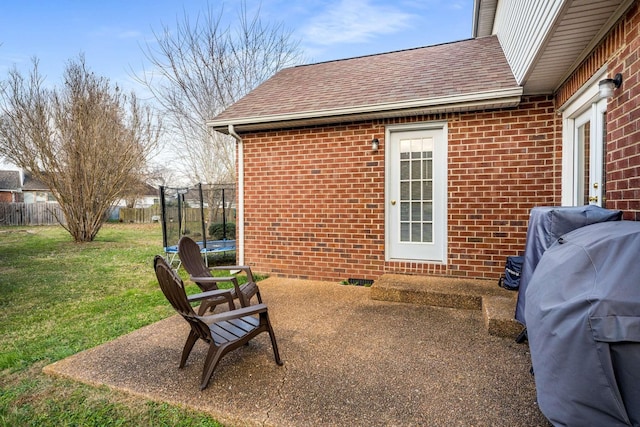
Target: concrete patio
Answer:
[[350, 360]]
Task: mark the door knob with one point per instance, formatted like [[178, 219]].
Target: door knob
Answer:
[[593, 199], [393, 202]]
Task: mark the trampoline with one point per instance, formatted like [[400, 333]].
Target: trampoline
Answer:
[[183, 214]]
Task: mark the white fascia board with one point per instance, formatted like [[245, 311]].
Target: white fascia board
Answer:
[[476, 100]]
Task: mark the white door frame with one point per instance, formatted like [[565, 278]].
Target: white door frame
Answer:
[[437, 251], [586, 106]]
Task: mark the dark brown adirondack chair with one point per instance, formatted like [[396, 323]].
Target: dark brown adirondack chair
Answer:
[[200, 274], [224, 332]]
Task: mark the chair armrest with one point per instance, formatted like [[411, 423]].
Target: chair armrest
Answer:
[[234, 314], [212, 279], [216, 279], [210, 294], [245, 268]]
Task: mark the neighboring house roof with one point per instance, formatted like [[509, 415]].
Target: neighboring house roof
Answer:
[[32, 184], [149, 190], [9, 181], [545, 42], [459, 76]]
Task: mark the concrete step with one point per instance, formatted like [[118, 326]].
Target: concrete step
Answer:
[[497, 304]]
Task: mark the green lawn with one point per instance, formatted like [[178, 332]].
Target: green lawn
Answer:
[[57, 298]]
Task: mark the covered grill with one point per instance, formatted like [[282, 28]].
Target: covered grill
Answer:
[[546, 225], [583, 321]]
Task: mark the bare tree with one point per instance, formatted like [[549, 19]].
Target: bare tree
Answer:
[[88, 141], [156, 176], [200, 68], [160, 175]]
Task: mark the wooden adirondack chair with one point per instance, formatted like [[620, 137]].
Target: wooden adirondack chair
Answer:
[[224, 332], [200, 274]]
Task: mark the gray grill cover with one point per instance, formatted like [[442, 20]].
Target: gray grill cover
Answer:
[[546, 225], [583, 323]]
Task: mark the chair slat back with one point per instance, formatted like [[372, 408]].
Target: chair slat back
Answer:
[[172, 287], [189, 253]]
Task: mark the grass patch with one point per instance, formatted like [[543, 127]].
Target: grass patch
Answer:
[[57, 298]]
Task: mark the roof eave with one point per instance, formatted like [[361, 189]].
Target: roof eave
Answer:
[[502, 98], [484, 12]]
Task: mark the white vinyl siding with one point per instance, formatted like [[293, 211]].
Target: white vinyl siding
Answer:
[[522, 28]]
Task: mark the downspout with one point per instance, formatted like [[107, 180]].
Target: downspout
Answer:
[[239, 198]]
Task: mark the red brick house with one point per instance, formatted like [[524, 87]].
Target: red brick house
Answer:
[[10, 185], [19, 187], [470, 136]]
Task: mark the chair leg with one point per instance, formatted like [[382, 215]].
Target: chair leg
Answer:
[[213, 357], [259, 297], [204, 306], [274, 345], [188, 346]]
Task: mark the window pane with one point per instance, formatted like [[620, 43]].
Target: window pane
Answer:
[[416, 173], [404, 211], [404, 170], [427, 211], [405, 187], [427, 190], [416, 148], [415, 190], [416, 211], [405, 148], [404, 232], [427, 232], [583, 157], [415, 232], [427, 169]]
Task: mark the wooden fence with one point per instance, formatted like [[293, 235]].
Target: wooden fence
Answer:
[[140, 215], [30, 214], [152, 214], [46, 214]]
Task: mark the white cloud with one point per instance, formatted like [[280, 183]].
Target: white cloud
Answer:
[[354, 21], [129, 34], [117, 33]]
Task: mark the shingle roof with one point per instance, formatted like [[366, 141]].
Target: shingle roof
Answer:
[[9, 180], [469, 70], [32, 184]]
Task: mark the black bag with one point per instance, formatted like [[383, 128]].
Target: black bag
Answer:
[[511, 278]]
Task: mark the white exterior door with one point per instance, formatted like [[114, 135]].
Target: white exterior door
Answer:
[[588, 140], [416, 193], [584, 131]]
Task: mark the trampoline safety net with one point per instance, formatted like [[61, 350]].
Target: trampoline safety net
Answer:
[[189, 211]]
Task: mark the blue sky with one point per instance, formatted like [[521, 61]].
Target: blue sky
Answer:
[[110, 33]]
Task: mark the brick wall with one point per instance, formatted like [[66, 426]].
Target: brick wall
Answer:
[[501, 164], [623, 123], [314, 197], [6, 197], [314, 202]]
